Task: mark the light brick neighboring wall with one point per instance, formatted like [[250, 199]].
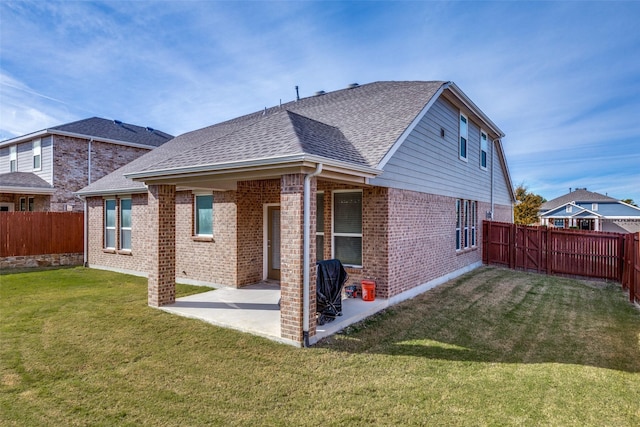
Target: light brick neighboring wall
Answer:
[[41, 203], [162, 245], [251, 198], [70, 167]]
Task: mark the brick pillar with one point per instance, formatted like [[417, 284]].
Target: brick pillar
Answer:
[[291, 256], [162, 245]]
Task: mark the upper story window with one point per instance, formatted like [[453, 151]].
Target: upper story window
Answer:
[[37, 155], [594, 207], [203, 215], [568, 209], [484, 145], [464, 135], [347, 227], [13, 158]]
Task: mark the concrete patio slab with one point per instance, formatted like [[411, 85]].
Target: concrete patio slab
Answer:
[[254, 309]]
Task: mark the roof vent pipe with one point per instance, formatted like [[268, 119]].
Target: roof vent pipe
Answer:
[[297, 94]]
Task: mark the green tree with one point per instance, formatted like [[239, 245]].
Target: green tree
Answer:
[[629, 202], [526, 210]]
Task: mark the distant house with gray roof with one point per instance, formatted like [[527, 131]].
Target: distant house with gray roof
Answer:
[[586, 210], [41, 171], [391, 178]]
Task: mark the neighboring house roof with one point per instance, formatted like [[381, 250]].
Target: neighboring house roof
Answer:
[[354, 127], [605, 209], [577, 196], [24, 182], [100, 129]]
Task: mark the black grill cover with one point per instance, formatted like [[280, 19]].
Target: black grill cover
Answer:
[[330, 280]]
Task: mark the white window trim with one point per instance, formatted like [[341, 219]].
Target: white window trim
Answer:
[[195, 212], [594, 207], [13, 158], [485, 151], [464, 158], [7, 205], [458, 236], [36, 148], [333, 233], [114, 228], [119, 223], [568, 209]]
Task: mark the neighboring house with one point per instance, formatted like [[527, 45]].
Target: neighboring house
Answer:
[[392, 178], [41, 171], [586, 210]]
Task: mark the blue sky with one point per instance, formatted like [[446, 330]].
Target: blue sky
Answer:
[[561, 79]]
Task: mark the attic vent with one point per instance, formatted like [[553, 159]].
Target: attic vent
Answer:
[[118, 122], [150, 129], [353, 85], [320, 92]]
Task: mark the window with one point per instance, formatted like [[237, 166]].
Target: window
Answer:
[[37, 155], [464, 134], [594, 207], [483, 150], [204, 215], [568, 209], [110, 224], [559, 223], [13, 158], [347, 227], [125, 224], [23, 204], [30, 204], [319, 226], [466, 224]]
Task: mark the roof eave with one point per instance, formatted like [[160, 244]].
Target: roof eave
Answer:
[[47, 132], [256, 164], [26, 190], [109, 192]]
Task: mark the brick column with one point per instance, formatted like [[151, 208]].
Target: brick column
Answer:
[[291, 256], [162, 245]]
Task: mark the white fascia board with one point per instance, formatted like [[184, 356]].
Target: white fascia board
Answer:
[[256, 164], [111, 192], [27, 190], [474, 108], [46, 132], [412, 126]]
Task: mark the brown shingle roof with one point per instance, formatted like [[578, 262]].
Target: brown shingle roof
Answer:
[[578, 195]]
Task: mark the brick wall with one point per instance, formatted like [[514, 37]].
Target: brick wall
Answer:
[[70, 167], [162, 249], [40, 202], [251, 198]]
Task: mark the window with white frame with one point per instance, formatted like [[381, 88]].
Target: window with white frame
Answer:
[[110, 223], [319, 226], [125, 224], [464, 135], [203, 215], [30, 203], [568, 209], [466, 224], [347, 227], [484, 145], [37, 155], [594, 207], [23, 204], [13, 158]]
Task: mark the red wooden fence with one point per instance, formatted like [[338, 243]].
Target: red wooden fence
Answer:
[[611, 256], [631, 274], [38, 233]]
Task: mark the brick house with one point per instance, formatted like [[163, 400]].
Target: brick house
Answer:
[[392, 178], [587, 210], [41, 171]]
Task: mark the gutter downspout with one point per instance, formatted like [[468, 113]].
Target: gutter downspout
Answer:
[[493, 149], [86, 232], [305, 252], [89, 163]]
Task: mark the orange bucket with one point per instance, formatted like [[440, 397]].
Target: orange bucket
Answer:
[[368, 290]]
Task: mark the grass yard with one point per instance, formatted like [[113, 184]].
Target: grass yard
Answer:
[[494, 347]]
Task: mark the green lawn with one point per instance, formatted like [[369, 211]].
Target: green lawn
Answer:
[[495, 347]]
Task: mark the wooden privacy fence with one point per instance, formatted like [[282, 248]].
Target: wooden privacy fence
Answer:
[[611, 256], [37, 233]]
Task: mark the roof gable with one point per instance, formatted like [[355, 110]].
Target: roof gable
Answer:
[[577, 196]]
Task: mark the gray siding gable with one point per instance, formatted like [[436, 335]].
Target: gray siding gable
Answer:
[[429, 163]]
